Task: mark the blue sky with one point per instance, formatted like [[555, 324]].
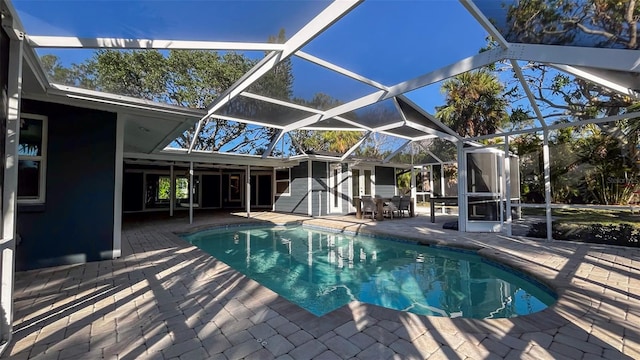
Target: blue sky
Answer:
[[389, 41]]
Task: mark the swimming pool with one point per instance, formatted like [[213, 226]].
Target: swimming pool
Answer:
[[322, 271]]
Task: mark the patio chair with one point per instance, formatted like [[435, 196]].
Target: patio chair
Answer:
[[368, 206], [389, 208], [394, 206], [404, 206]]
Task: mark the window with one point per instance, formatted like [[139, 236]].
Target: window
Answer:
[[235, 193], [32, 158], [283, 180]]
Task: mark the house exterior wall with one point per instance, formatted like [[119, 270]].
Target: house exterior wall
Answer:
[[296, 202], [75, 224]]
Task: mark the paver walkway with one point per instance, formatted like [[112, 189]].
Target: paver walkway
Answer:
[[165, 299]]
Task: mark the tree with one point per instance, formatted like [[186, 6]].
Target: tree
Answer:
[[562, 98], [185, 78], [597, 23], [337, 141], [475, 104]]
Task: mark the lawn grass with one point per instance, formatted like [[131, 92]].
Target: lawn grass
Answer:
[[589, 216]]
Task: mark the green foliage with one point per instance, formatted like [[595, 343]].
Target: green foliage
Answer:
[[620, 234], [598, 23], [475, 104]]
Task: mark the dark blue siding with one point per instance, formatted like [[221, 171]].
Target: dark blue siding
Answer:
[[76, 222], [297, 202]]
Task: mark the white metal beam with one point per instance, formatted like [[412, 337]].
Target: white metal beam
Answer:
[[279, 102], [431, 131], [464, 65], [560, 126], [355, 146], [625, 60], [431, 118], [313, 28], [394, 125], [527, 90], [599, 80], [273, 143], [485, 22], [122, 101], [70, 42], [396, 152], [436, 158], [339, 70], [424, 137]]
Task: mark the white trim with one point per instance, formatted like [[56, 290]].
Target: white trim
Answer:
[[42, 159], [10, 191], [335, 181], [117, 190], [70, 42], [276, 181]]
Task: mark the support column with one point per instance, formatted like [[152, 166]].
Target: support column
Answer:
[[413, 188], [414, 193], [444, 209], [507, 187], [462, 188], [309, 188], [248, 194], [10, 193], [117, 189], [547, 184], [172, 190], [191, 190]]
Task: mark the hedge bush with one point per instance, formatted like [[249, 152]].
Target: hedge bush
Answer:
[[622, 234]]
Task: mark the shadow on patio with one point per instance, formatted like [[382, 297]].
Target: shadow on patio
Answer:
[[168, 299]]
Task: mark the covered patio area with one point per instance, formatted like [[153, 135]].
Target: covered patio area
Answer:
[[166, 299]]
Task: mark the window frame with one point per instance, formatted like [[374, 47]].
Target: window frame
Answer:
[[42, 159], [277, 181]]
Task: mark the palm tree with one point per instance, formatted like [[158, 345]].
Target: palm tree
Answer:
[[475, 104]]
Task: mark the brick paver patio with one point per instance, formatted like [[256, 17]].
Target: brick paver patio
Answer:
[[165, 299]]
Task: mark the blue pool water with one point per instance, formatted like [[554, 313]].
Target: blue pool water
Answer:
[[322, 271]]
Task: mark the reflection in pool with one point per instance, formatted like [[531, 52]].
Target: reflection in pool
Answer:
[[322, 271]]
